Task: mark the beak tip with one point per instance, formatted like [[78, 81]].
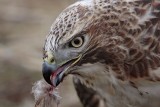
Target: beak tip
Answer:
[[46, 73]]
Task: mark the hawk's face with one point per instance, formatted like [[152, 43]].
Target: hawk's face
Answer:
[[77, 45], [111, 45], [69, 46]]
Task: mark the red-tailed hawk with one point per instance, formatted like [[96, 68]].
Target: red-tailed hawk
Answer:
[[112, 48]]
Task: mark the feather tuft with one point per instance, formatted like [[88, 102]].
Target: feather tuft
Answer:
[[45, 95]]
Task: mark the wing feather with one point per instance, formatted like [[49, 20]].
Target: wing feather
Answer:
[[144, 53]]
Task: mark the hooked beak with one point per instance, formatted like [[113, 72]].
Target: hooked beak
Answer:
[[47, 71], [54, 74]]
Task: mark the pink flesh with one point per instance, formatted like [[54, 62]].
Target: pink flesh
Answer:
[[54, 74]]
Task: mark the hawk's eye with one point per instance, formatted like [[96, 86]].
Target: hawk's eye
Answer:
[[76, 42]]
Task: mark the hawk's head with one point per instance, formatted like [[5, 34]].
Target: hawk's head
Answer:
[[81, 42]]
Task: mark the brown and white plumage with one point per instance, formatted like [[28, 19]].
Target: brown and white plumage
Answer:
[[118, 62]]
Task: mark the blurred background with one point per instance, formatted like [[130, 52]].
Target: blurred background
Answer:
[[24, 25]]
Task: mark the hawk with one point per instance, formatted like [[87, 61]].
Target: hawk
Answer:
[[111, 47]]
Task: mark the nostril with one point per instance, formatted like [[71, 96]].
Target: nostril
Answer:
[[48, 57], [52, 60]]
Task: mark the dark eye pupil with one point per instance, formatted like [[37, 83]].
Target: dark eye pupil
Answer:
[[77, 41]]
